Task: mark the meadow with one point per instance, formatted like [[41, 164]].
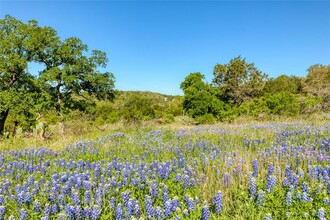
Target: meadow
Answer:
[[253, 171]]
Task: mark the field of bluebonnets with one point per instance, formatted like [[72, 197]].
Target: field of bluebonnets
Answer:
[[254, 171]]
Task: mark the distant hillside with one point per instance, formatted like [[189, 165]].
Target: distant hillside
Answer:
[[138, 105], [155, 97]]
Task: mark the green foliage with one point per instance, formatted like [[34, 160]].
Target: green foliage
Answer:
[[206, 119], [137, 108], [67, 73], [317, 83], [283, 83], [254, 107], [311, 104], [238, 80], [283, 103], [240, 89], [199, 96], [168, 118]]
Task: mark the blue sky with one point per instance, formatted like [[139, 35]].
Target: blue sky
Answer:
[[154, 45]]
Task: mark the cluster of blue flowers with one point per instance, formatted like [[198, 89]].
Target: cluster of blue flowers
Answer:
[[147, 176]]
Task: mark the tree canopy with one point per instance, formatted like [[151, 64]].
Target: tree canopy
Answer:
[[69, 69], [239, 88], [238, 80]]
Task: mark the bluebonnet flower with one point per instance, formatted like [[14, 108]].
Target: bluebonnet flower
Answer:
[[205, 212], [153, 190], [77, 212], [185, 181], [87, 212], [167, 209], [270, 170], [190, 203], [288, 172], [96, 212], [129, 208], [165, 195], [321, 213], [2, 211], [54, 208], [304, 187], [253, 186], [261, 198], [23, 214], [177, 217], [295, 180], [271, 182], [226, 179], [186, 212], [47, 210], [178, 177], [119, 212], [126, 196], [20, 197], [61, 216], [69, 211], [87, 197], [318, 190], [158, 213], [288, 199], [60, 199], [137, 211], [174, 203], [217, 200], [148, 206], [268, 217], [304, 197], [112, 202], [75, 197], [27, 198], [326, 201], [301, 173], [2, 200]]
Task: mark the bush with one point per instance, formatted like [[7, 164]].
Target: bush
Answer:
[[254, 107], [113, 117], [311, 104], [283, 103], [206, 119], [169, 118], [137, 108]]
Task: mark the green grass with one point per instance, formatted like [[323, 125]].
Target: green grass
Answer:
[[210, 152]]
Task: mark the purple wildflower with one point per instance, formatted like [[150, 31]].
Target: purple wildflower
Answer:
[[217, 200], [205, 212]]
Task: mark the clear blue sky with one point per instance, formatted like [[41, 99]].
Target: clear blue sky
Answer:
[[155, 45]]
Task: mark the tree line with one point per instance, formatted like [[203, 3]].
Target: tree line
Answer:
[[71, 85], [239, 88]]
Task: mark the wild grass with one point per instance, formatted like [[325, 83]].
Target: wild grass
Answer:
[[213, 158]]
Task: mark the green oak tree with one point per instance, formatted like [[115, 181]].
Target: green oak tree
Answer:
[[238, 80], [283, 83], [70, 70], [199, 96], [14, 59], [317, 83]]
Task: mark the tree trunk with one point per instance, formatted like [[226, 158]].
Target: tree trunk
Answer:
[[15, 128], [3, 117], [58, 96]]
